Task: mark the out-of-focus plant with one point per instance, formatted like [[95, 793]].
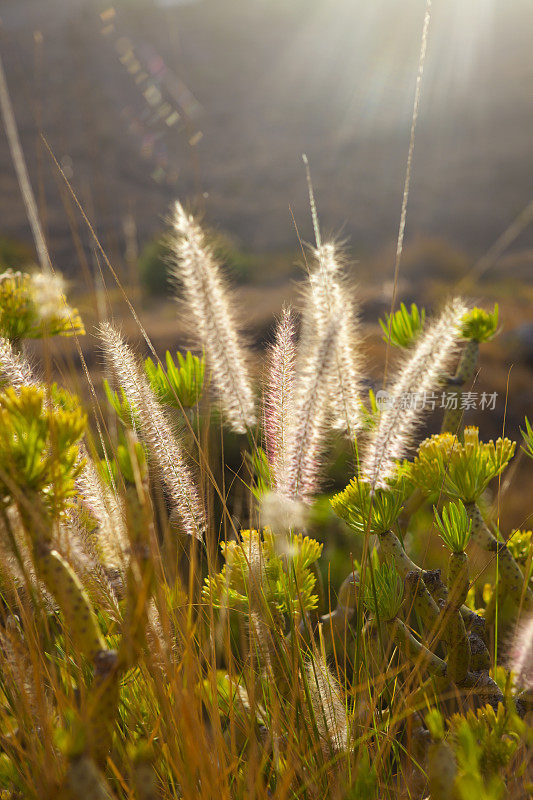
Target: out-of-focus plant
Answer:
[[33, 305], [528, 439]]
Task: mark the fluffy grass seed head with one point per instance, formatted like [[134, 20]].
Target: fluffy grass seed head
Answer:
[[329, 710], [14, 368], [422, 370], [281, 513], [454, 526], [164, 450], [327, 299], [95, 499], [521, 654], [206, 298], [279, 397], [308, 428]]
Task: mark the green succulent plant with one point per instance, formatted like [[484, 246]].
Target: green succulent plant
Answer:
[[404, 325], [520, 544], [133, 664], [182, 384], [527, 447], [39, 449], [261, 471], [123, 465], [462, 469], [480, 325], [120, 404], [257, 562], [368, 510], [383, 595], [454, 526], [484, 743]]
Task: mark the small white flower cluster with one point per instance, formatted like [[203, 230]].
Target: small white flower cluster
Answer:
[[450, 401], [49, 296], [9, 274], [281, 513]]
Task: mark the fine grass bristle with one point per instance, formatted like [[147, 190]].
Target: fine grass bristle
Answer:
[[279, 397], [206, 299], [311, 413], [165, 452], [328, 299], [418, 376]]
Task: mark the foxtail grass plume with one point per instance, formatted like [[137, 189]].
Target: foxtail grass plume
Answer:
[[279, 396], [417, 376], [165, 451], [327, 299], [14, 368], [15, 551], [328, 708], [310, 418], [112, 541], [16, 666], [257, 582], [521, 655], [207, 298], [98, 567]]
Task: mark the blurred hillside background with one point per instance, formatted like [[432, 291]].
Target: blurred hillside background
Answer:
[[143, 100], [214, 102]]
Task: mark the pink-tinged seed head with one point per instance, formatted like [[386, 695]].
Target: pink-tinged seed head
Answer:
[[279, 396], [521, 654]]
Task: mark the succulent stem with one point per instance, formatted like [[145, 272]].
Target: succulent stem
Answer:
[[83, 779], [453, 421], [458, 579], [441, 769], [454, 633], [390, 548], [416, 651], [65, 587], [103, 704], [511, 577]]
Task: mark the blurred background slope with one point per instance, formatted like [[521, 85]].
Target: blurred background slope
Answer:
[[145, 100]]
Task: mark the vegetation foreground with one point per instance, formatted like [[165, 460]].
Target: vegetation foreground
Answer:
[[141, 659]]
